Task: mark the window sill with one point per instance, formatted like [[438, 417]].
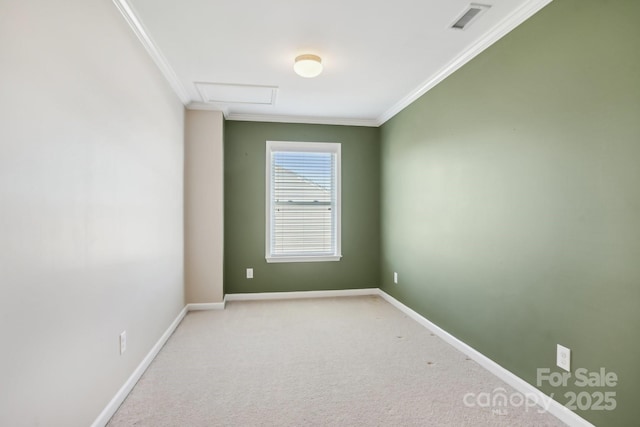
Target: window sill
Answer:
[[322, 258]]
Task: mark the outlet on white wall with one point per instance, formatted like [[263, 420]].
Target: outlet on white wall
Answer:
[[123, 342], [563, 358], [249, 273], [395, 277]]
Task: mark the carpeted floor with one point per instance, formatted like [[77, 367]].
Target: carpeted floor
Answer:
[[354, 361]]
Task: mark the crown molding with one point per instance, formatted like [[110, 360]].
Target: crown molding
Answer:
[[134, 22], [505, 26], [517, 17], [205, 106], [270, 118], [302, 119]]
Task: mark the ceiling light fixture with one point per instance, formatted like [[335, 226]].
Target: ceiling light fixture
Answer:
[[308, 65]]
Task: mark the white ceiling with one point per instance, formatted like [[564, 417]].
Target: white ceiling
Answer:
[[378, 56]]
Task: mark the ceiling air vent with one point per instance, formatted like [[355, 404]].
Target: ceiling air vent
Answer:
[[469, 15]]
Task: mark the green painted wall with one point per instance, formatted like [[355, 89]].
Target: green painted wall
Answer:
[[244, 210], [511, 199]]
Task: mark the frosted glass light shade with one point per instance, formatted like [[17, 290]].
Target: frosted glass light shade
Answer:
[[308, 65]]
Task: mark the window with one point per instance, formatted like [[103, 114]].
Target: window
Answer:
[[303, 201]]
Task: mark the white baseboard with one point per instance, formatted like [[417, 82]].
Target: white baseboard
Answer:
[[555, 408], [207, 306], [301, 294], [126, 388], [559, 411]]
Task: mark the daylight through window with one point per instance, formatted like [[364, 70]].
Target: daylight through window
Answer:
[[303, 201]]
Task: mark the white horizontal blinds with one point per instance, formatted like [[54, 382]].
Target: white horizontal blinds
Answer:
[[303, 203]]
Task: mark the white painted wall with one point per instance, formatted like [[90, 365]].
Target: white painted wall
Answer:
[[91, 208], [204, 223]]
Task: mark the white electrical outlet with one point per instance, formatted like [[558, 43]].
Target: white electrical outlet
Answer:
[[395, 277], [123, 342], [563, 358], [249, 273]]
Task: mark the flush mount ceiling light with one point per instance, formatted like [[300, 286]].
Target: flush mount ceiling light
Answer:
[[308, 65]]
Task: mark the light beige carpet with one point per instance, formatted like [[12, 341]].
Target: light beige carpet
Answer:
[[354, 361]]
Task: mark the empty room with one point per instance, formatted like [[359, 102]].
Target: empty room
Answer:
[[310, 213]]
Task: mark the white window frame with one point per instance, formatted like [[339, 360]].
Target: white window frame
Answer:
[[300, 147]]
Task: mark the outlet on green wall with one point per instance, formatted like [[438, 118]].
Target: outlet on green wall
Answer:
[[511, 201], [244, 210]]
